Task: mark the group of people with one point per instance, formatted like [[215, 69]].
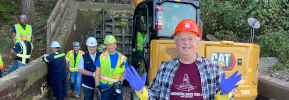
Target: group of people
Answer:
[[23, 38], [185, 77], [96, 69]]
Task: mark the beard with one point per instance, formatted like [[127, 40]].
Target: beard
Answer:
[[92, 51]]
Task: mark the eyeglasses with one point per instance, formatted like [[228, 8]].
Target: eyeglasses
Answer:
[[184, 40]]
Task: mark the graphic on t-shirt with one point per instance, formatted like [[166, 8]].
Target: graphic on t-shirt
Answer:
[[186, 86]]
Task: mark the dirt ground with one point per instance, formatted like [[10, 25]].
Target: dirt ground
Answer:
[[266, 62]]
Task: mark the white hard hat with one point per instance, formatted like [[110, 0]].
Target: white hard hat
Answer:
[[76, 45], [23, 16], [55, 44], [91, 41]]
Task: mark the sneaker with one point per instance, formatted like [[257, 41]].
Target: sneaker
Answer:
[[76, 96]]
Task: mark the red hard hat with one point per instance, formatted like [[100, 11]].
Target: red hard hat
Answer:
[[187, 25]]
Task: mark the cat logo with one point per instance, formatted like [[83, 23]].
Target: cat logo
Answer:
[[226, 60]]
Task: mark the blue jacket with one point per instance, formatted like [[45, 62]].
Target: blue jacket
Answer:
[[56, 65], [89, 66]]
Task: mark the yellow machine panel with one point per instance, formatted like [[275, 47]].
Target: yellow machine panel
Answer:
[[231, 56]]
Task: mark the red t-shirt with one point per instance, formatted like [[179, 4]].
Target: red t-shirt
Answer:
[[187, 83]]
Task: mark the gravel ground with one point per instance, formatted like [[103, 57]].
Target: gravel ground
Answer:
[[266, 62]]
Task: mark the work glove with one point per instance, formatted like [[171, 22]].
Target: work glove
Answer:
[[135, 81], [229, 84], [92, 74], [97, 90]]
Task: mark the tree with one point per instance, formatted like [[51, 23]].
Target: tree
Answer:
[[29, 10]]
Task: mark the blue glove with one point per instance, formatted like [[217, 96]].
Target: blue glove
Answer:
[[229, 84], [135, 81], [92, 74]]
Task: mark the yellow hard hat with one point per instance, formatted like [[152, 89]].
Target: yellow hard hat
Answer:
[[109, 39]]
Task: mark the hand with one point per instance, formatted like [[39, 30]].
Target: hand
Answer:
[[135, 81], [42, 56], [229, 84], [92, 74], [97, 89]]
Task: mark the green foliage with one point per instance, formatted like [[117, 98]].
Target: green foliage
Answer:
[[45, 8], [6, 44], [276, 45], [8, 7], [223, 18]]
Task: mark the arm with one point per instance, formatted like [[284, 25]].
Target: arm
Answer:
[[126, 66], [49, 58], [81, 68], [32, 38], [67, 60], [12, 52], [96, 77], [84, 72], [13, 38]]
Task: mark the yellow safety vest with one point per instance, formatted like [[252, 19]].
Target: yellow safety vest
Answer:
[[70, 58], [19, 29], [1, 63], [140, 41], [107, 74]]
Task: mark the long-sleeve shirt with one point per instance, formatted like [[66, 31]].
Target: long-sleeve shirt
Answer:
[[56, 65], [210, 73]]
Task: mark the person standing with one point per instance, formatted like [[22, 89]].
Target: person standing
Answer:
[[1, 66], [86, 68], [22, 27], [187, 77], [72, 60], [110, 67], [22, 50], [101, 48], [57, 71]]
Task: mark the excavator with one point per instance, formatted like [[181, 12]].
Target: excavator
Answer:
[[157, 19]]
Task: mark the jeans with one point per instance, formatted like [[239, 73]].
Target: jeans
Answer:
[[0, 73], [75, 81], [110, 93], [88, 93], [58, 88], [17, 64]]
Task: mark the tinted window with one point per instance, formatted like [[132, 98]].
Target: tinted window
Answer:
[[173, 14]]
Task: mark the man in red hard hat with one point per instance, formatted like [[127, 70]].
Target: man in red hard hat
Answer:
[[188, 76]]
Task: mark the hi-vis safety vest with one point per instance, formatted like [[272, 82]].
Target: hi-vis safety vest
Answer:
[[24, 55], [19, 29], [1, 63], [140, 41], [70, 58], [107, 74]]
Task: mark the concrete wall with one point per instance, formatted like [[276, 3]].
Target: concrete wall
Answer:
[[25, 83], [88, 18]]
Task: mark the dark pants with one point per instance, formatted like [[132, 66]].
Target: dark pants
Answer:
[[58, 88], [88, 93], [110, 93], [0, 73]]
